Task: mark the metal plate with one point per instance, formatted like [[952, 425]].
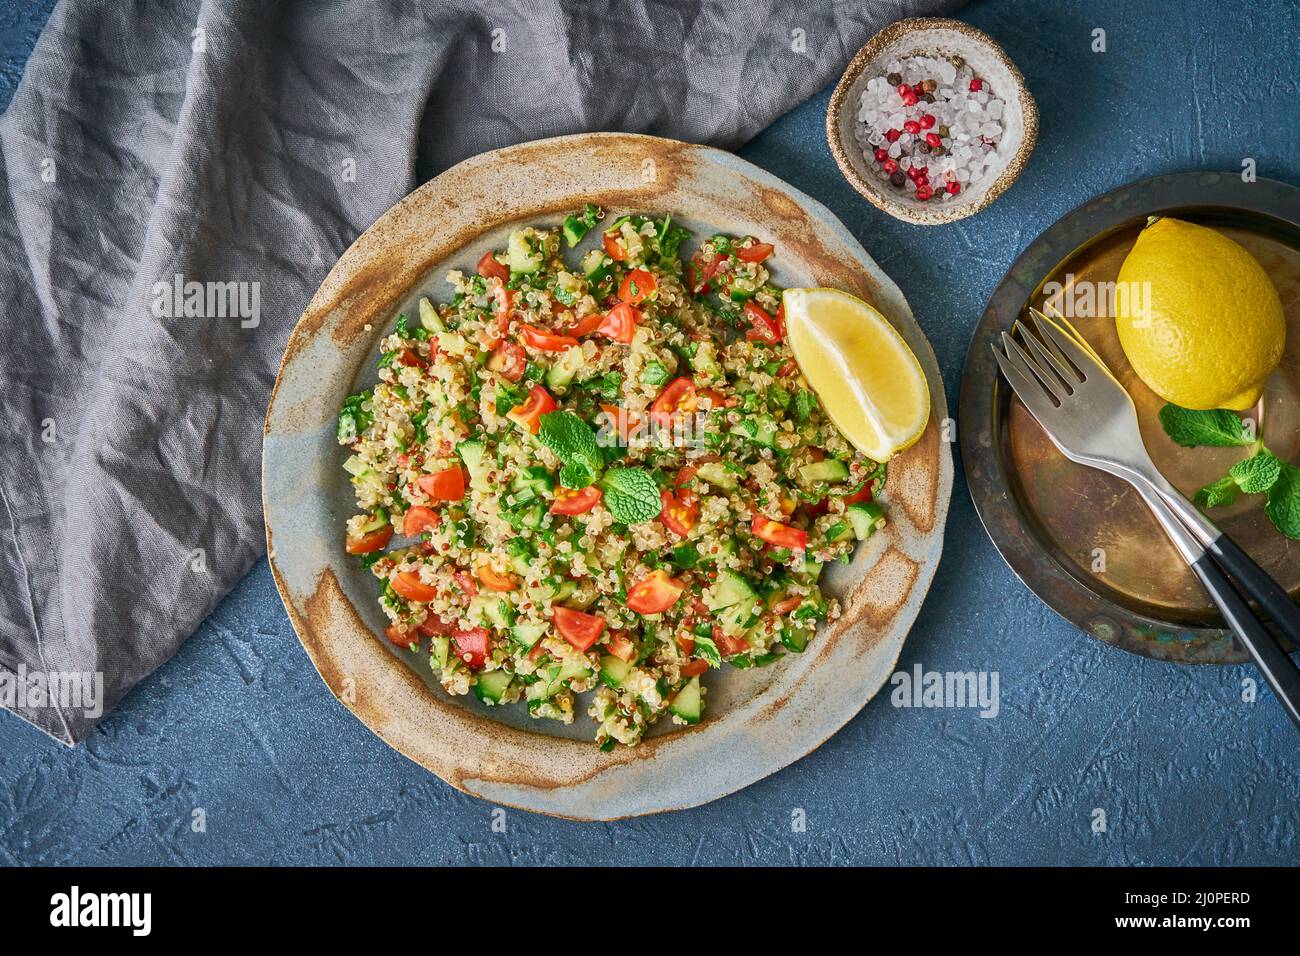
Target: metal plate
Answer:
[[1080, 539], [758, 720]]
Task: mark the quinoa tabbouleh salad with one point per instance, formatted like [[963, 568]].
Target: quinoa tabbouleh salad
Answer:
[[608, 473]]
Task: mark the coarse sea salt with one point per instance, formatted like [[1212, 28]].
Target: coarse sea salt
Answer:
[[930, 127]]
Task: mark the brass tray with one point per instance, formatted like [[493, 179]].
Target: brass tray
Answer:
[[1080, 539]]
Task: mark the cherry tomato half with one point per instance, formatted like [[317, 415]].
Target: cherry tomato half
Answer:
[[779, 535], [570, 501], [530, 413], [677, 516], [544, 341], [579, 629], [408, 585], [678, 396], [445, 485], [495, 580], [489, 267], [763, 327], [694, 668], [509, 361], [621, 646], [614, 246], [370, 542], [588, 325], [755, 253], [620, 322], [400, 637], [654, 593], [420, 519], [727, 644], [473, 646], [638, 286]]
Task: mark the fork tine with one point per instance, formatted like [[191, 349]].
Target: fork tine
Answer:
[[1017, 355], [1030, 392], [1081, 357], [1046, 357]]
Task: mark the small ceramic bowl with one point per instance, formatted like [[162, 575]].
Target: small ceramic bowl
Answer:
[[942, 39]]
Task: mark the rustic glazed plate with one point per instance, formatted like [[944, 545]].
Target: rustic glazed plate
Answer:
[[758, 721], [1081, 539]]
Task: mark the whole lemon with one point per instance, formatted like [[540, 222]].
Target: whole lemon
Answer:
[[1198, 317]]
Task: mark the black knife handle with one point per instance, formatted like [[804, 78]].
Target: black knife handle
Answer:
[[1273, 662], [1255, 582]]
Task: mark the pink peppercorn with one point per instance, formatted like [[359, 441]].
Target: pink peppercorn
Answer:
[[881, 155], [923, 192], [911, 126], [927, 121], [889, 166], [953, 187], [933, 139], [893, 134], [976, 84]]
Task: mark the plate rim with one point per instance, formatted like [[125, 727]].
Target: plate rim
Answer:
[[818, 215], [980, 397]]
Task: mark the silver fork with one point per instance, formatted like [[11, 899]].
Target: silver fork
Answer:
[[1091, 418]]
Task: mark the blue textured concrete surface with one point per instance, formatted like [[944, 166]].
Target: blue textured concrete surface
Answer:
[[1183, 770]]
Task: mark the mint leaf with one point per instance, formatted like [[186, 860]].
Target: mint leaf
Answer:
[[707, 650], [1257, 474], [804, 403], [1222, 492], [574, 443], [576, 474], [1283, 507], [631, 495], [1216, 427]]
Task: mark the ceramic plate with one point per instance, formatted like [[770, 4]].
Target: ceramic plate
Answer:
[[759, 720]]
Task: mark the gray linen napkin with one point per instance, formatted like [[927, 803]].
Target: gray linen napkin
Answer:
[[249, 142]]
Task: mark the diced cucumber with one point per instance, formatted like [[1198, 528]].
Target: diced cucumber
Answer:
[[613, 671], [716, 473], [761, 430], [840, 531], [812, 567], [795, 638], [547, 685], [864, 516], [830, 470], [429, 317], [563, 590], [574, 669], [486, 609], [377, 521], [440, 652], [705, 360], [471, 453], [355, 466], [453, 343], [689, 702], [521, 254], [735, 620], [532, 517], [562, 370], [491, 687], [535, 477], [527, 635], [729, 590], [522, 564]]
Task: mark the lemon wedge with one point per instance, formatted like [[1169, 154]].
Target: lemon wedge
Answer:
[[865, 376]]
